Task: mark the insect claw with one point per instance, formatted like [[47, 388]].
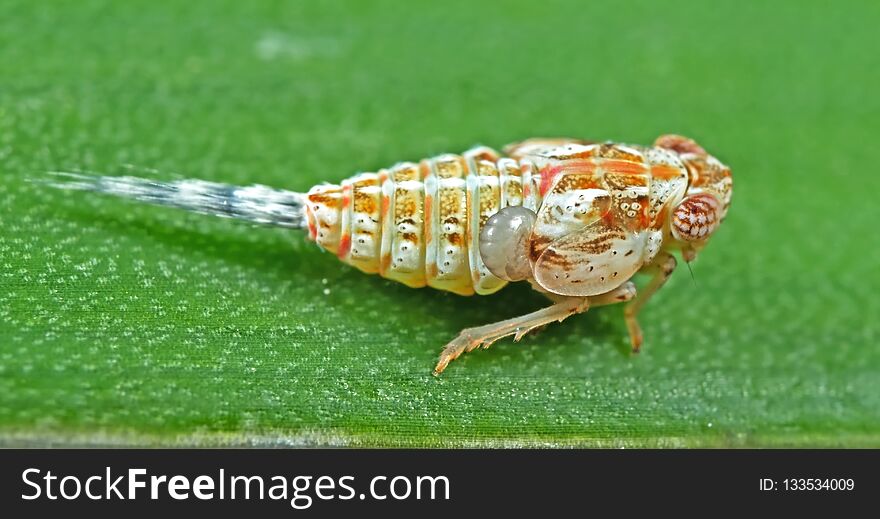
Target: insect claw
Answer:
[[637, 345], [489, 342], [441, 365]]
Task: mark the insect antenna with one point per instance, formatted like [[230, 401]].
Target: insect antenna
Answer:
[[688, 263], [256, 204]]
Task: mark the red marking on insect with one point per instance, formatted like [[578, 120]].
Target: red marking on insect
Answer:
[[623, 167], [608, 217], [424, 168], [386, 203], [679, 144], [548, 175], [310, 221], [344, 246], [664, 172]]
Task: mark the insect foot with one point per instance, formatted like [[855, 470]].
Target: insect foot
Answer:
[[465, 342], [662, 267]]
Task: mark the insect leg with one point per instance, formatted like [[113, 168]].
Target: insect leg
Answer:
[[471, 338], [621, 294], [663, 265]]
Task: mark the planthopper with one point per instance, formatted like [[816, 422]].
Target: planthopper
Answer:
[[575, 219]]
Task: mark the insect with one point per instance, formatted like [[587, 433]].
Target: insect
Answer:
[[575, 219]]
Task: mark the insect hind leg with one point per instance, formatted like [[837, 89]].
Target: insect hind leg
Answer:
[[471, 338]]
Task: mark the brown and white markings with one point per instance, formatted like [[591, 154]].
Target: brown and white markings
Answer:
[[577, 220]]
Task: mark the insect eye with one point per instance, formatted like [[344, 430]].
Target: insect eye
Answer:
[[695, 218], [504, 243]]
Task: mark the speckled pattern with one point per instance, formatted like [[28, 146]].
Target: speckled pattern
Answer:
[[128, 324]]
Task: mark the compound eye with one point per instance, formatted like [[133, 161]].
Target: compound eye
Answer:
[[696, 217], [504, 242]]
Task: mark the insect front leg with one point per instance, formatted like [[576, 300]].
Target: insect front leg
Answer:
[[470, 338], [663, 266]]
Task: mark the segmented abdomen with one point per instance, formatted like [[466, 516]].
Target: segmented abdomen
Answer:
[[419, 224]]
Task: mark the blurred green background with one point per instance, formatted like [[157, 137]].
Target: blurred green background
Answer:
[[136, 325]]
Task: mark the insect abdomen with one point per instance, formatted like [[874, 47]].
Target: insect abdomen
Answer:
[[419, 224]]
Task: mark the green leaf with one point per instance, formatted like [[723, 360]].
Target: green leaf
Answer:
[[128, 324]]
